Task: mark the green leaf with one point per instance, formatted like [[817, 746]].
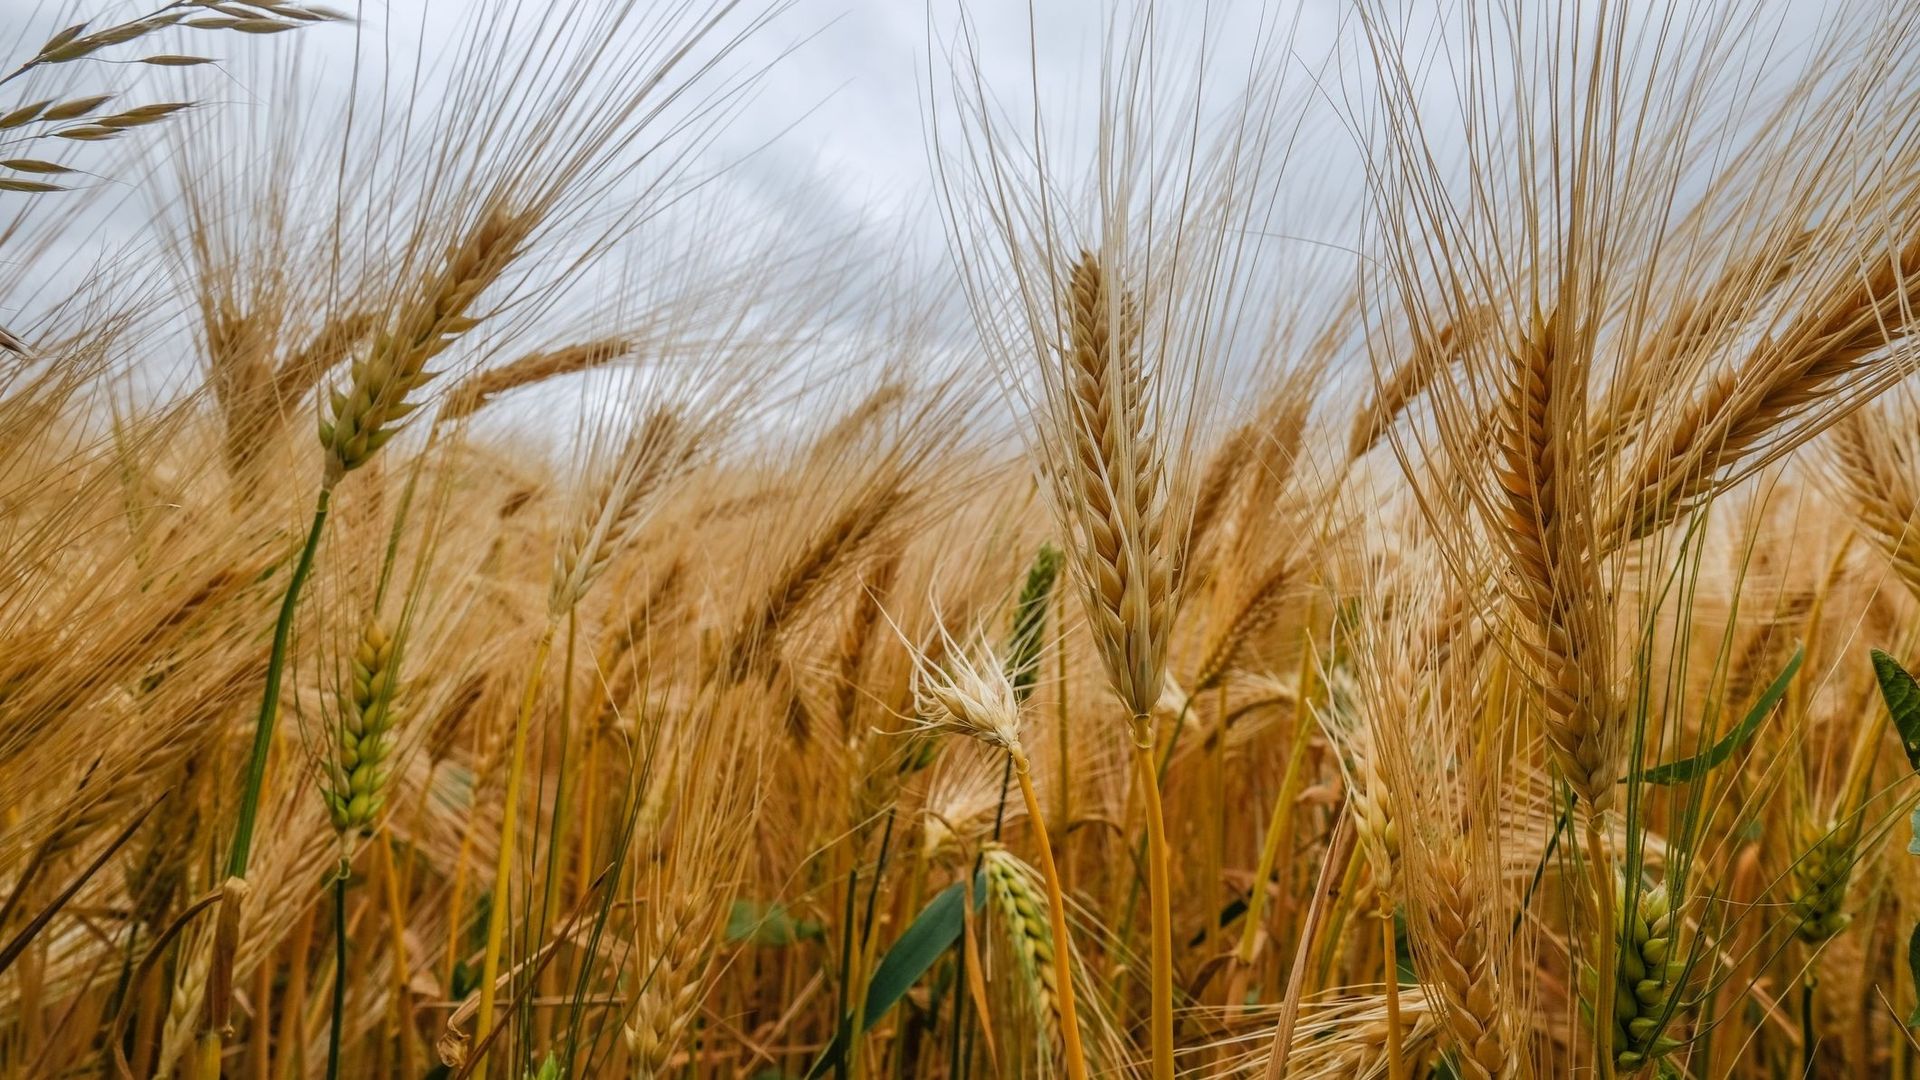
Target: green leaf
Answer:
[[549, 1069], [768, 924], [1686, 769], [465, 979], [1913, 845], [1913, 969], [932, 932], [1903, 702]]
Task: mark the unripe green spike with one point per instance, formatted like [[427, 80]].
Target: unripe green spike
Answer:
[[355, 780]]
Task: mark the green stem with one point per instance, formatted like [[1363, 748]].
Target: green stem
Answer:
[[1540, 867], [858, 986], [845, 1032], [1807, 1041], [339, 969], [270, 701]]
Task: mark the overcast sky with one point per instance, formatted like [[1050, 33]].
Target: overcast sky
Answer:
[[840, 111], [838, 122]]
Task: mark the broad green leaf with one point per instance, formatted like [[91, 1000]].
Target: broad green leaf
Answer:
[[1903, 702], [932, 932], [1686, 769]]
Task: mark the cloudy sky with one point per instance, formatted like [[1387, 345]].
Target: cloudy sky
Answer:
[[835, 130], [840, 108]]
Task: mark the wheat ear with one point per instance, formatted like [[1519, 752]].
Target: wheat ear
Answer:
[[1401, 387], [1461, 969], [478, 390], [978, 699], [1652, 967], [1818, 885], [1028, 932], [354, 785], [1112, 483], [1877, 482], [1839, 335]]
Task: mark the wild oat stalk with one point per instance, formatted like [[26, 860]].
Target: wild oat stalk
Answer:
[[85, 119]]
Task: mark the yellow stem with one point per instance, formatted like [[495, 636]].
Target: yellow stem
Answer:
[[206, 1056], [402, 974], [498, 902], [589, 807], [1600, 871], [1057, 914], [1277, 825], [1396, 1067], [1336, 926], [1064, 815], [1159, 898]]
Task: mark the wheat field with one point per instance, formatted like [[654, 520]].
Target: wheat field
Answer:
[[480, 599]]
